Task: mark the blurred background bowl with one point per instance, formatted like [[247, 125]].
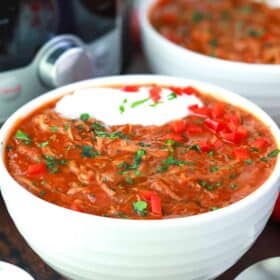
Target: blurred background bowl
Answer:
[[258, 82]]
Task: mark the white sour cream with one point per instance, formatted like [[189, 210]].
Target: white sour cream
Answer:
[[117, 107]]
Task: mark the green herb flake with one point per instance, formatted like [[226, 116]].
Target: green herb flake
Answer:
[[140, 207], [139, 102], [254, 149], [44, 144], [205, 185], [273, 153], [121, 109], [211, 153], [172, 96], [53, 128], [84, 117], [233, 186], [20, 135], [51, 164], [129, 180], [213, 43], [42, 193], [66, 126], [214, 169], [214, 208], [88, 152], [195, 147], [197, 17], [255, 32], [9, 147], [249, 161]]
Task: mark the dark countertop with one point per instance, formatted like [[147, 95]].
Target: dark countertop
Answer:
[[14, 249]]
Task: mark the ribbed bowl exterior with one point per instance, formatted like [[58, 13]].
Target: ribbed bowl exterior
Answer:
[[82, 248]]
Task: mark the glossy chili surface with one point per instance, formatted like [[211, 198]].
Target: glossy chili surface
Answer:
[[199, 163], [237, 30]]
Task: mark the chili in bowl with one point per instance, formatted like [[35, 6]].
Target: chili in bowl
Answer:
[[144, 162], [231, 43]]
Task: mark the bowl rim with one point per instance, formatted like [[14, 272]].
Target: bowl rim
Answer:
[[145, 7], [31, 106]]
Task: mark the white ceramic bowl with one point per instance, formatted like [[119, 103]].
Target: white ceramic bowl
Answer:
[[258, 82], [85, 247]]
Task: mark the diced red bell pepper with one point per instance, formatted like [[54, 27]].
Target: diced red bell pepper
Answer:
[[260, 143], [156, 205], [155, 93], [203, 111], [36, 169], [190, 90], [178, 126], [276, 212], [241, 153], [130, 88], [193, 129], [218, 110], [241, 133], [176, 90], [233, 121], [205, 146], [213, 125], [146, 194]]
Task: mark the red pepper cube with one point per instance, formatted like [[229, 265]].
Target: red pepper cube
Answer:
[[205, 146], [241, 153], [213, 125], [146, 194], [242, 133], [190, 90], [260, 143], [178, 126], [218, 110], [130, 88], [176, 90], [36, 169], [203, 111], [156, 205], [155, 94]]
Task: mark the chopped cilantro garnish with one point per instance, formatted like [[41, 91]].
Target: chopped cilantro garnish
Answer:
[[255, 33], [42, 193], [214, 208], [129, 180], [213, 42], [171, 161], [52, 164], [9, 147], [85, 117], [54, 128], [88, 152], [214, 168], [44, 144], [249, 161], [66, 126], [254, 149], [211, 153], [172, 96], [99, 131], [140, 207], [136, 163], [139, 102], [20, 135], [194, 147], [273, 153], [264, 159], [205, 185], [121, 109], [233, 186], [197, 17]]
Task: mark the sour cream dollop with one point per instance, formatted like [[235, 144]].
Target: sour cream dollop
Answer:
[[118, 107]]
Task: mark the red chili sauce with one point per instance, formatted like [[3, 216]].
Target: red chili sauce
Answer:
[[237, 30], [196, 164]]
